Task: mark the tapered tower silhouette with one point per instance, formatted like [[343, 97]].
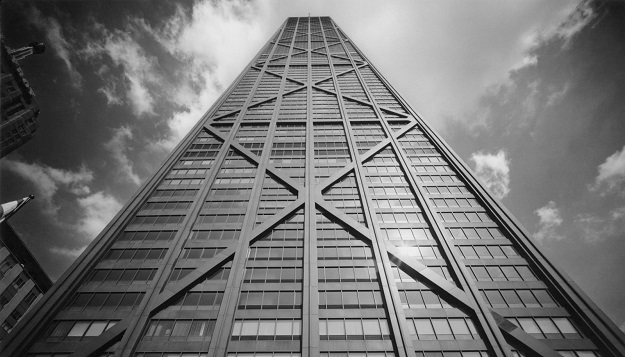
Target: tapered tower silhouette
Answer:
[[312, 212]]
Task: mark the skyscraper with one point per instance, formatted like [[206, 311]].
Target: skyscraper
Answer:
[[311, 212], [22, 281], [19, 107]]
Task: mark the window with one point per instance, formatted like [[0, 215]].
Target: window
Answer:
[[401, 276], [350, 299], [6, 265], [354, 329], [275, 253], [266, 330], [121, 276], [547, 327], [199, 253], [216, 235], [358, 354], [135, 254], [220, 274], [421, 252], [157, 220], [344, 253], [406, 234], [155, 207], [578, 353], [519, 298], [221, 218], [273, 275], [142, 236], [175, 193], [77, 330], [104, 301], [347, 274], [179, 330], [443, 329], [270, 300], [260, 354], [421, 299], [487, 252], [475, 233], [502, 273]]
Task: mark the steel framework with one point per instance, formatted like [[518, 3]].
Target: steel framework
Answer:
[[312, 212]]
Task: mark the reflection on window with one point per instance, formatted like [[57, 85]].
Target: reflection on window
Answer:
[[266, 330]]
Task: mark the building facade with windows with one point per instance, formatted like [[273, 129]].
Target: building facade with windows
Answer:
[[312, 212], [19, 109], [22, 281]]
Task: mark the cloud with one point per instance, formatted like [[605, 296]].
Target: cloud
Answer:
[[140, 70], [622, 327], [47, 181], [111, 97], [490, 43], [549, 220], [56, 40], [617, 214], [576, 21], [611, 175], [213, 42], [597, 228], [494, 171], [98, 210], [109, 90], [54, 185], [72, 253], [556, 96], [118, 147]]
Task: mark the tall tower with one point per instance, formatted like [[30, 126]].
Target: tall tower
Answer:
[[19, 108], [311, 212]]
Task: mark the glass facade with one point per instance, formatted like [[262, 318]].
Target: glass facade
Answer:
[[313, 213], [22, 281]]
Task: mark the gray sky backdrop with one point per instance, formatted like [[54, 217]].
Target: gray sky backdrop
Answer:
[[529, 93]]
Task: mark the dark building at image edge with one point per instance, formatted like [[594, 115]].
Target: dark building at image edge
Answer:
[[19, 109], [311, 212], [22, 280]]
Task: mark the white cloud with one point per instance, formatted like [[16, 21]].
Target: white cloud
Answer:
[[72, 253], [140, 69], [50, 183], [47, 181], [109, 90], [597, 228], [489, 44], [556, 95], [56, 40], [531, 102], [98, 208], [611, 175], [618, 213], [214, 40], [109, 93], [118, 147], [549, 220], [494, 171], [576, 21]]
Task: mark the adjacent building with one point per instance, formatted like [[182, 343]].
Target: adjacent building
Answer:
[[19, 109], [22, 281], [312, 212]]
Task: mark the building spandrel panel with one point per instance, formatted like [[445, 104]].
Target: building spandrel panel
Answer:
[[312, 212]]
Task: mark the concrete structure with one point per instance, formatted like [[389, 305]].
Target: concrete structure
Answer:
[[311, 212], [19, 108], [22, 281]]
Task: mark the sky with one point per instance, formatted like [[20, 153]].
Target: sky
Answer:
[[528, 93]]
